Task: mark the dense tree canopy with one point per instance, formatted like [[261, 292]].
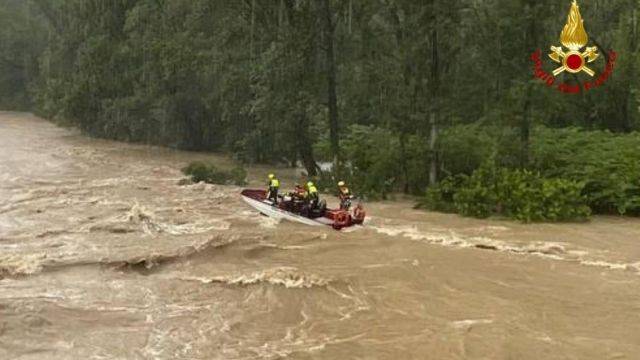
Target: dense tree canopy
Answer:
[[406, 92], [22, 40]]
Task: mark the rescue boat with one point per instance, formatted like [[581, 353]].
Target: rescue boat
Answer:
[[291, 209]]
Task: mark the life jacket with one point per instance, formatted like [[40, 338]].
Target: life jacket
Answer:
[[275, 183], [313, 192]]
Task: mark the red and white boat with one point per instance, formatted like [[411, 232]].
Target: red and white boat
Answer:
[[289, 209]]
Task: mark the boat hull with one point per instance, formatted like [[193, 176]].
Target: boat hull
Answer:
[[337, 219], [268, 209]]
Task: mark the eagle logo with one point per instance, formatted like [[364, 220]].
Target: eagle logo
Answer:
[[574, 38]]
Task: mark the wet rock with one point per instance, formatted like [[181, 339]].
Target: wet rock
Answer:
[[185, 181]]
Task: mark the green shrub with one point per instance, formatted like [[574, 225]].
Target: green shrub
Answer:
[[378, 161], [238, 176], [608, 164], [374, 161], [526, 196], [463, 148], [517, 194], [205, 172], [477, 196], [327, 181], [440, 197]]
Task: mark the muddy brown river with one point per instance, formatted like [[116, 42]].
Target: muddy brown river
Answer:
[[103, 255]]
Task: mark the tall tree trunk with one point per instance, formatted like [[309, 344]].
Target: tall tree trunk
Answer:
[[628, 121], [331, 82], [433, 116], [305, 148], [350, 15], [253, 26], [403, 161], [402, 127], [525, 129], [525, 123], [303, 143], [433, 138]]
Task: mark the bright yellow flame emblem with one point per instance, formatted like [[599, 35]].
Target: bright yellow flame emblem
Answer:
[[574, 37]]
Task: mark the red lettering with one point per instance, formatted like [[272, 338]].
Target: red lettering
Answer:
[[569, 89], [549, 80], [538, 72], [536, 54]]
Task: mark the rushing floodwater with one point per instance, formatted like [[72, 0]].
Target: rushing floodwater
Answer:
[[103, 255]]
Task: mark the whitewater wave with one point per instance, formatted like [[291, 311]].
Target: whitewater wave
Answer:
[[268, 222], [152, 260], [635, 267], [213, 191], [550, 250], [16, 265], [547, 249], [20, 264], [138, 217], [289, 277], [468, 324], [269, 245]]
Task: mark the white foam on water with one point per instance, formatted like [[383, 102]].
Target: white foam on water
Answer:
[[351, 229], [22, 264], [288, 277], [452, 239], [281, 247], [550, 250], [613, 266], [469, 323], [412, 232], [267, 222], [190, 229], [149, 223]]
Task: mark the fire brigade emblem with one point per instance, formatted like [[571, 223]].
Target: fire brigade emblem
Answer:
[[574, 38]]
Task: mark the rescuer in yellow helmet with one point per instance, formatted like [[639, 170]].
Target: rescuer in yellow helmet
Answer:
[[311, 197], [345, 196], [274, 186]]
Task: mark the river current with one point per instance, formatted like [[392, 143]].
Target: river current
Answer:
[[105, 255]]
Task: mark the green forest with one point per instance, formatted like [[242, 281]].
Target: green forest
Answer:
[[434, 98]]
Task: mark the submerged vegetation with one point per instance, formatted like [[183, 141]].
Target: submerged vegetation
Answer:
[[572, 173], [518, 194], [401, 95], [204, 172]]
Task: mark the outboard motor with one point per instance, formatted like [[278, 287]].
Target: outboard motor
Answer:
[[358, 214]]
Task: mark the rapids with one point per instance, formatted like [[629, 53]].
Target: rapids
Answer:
[[104, 255]]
